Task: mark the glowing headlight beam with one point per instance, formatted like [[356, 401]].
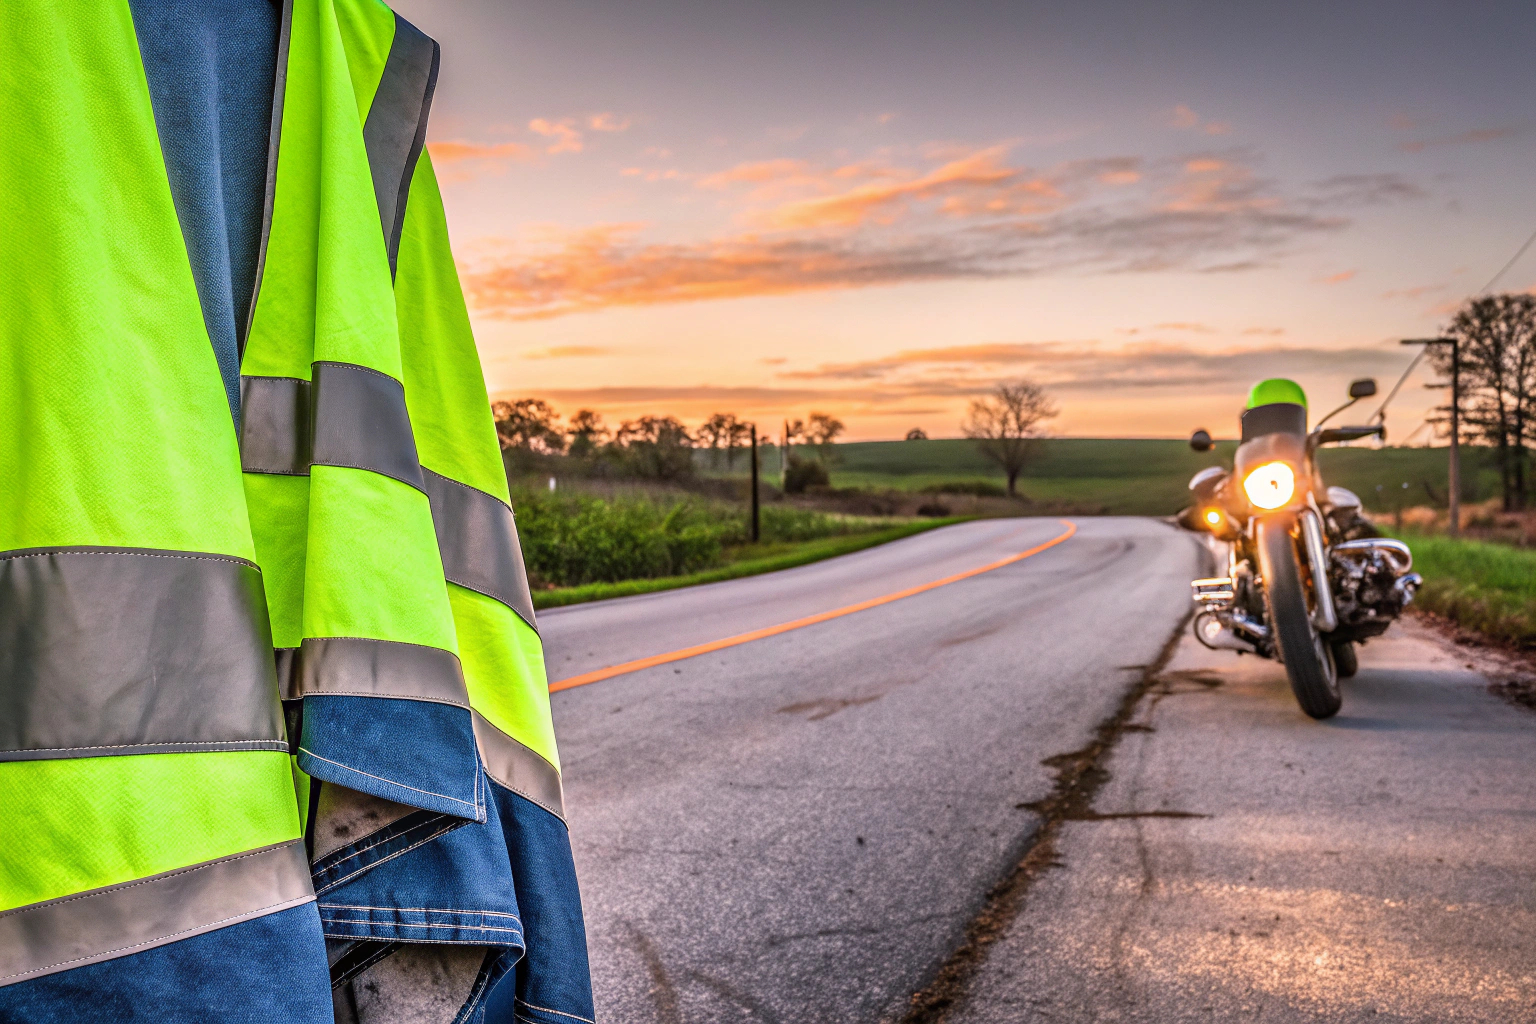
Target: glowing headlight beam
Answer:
[[1213, 517], [1270, 486]]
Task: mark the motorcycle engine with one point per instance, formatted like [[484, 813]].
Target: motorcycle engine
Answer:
[[1371, 583]]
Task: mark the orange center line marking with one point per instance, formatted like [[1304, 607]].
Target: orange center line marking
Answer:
[[598, 675]]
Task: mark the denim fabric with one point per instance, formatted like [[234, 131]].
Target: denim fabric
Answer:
[[425, 878], [508, 883], [554, 982], [413, 752], [256, 972], [211, 66]]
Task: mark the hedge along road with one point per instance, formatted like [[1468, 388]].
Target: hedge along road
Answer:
[[800, 824]]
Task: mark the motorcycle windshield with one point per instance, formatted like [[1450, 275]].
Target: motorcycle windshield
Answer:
[[1275, 418]]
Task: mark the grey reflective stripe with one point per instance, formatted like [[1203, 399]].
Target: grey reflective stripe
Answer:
[[352, 666], [274, 425], [131, 651], [518, 768], [88, 927], [349, 416], [396, 126], [478, 542], [279, 90], [360, 421]]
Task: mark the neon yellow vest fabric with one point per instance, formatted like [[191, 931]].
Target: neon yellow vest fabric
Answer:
[[361, 526]]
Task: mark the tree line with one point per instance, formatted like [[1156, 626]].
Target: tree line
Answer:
[[651, 447]]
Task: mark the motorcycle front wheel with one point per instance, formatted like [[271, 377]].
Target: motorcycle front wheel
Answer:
[[1307, 655]]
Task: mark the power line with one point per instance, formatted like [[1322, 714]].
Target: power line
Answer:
[[1512, 261]]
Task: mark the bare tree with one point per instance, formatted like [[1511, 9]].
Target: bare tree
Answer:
[[1496, 337], [1006, 424]]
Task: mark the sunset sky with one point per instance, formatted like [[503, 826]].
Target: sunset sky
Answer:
[[878, 209]]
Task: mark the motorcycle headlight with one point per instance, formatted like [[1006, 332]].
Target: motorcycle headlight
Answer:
[[1270, 486], [1213, 517]]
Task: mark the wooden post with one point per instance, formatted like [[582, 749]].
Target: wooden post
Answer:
[[756, 525], [1455, 468]]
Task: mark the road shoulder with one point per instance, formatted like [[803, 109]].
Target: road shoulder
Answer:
[[1244, 862]]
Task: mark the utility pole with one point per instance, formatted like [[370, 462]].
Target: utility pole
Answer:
[[784, 457], [756, 526], [1453, 473]]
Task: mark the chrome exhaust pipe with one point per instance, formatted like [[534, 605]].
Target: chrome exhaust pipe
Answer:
[[1218, 636], [1395, 551], [1324, 617]]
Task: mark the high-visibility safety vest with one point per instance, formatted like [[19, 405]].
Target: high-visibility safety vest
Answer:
[[275, 739]]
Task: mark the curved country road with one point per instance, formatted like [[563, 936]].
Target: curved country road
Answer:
[[800, 827]]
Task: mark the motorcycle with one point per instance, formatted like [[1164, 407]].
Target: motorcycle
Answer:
[[1308, 577]]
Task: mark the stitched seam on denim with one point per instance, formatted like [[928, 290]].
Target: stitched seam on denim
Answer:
[[545, 1009], [382, 860], [429, 824], [146, 881], [386, 836], [164, 939], [422, 942], [213, 744], [8, 555], [419, 910], [392, 782], [408, 925]]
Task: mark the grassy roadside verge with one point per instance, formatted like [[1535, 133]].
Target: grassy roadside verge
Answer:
[[750, 562], [1485, 587]]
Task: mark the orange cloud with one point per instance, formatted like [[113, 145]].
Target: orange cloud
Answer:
[[607, 123], [1182, 116], [1340, 277], [600, 267], [567, 139], [756, 172], [452, 151], [567, 352], [1465, 138], [973, 216], [977, 183]]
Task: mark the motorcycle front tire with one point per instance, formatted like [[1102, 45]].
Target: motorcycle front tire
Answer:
[[1307, 654]]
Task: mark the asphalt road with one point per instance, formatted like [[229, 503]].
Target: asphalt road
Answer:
[[1245, 863], [807, 826], [800, 828]]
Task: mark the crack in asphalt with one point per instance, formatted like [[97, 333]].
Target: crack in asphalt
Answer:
[[1079, 776]]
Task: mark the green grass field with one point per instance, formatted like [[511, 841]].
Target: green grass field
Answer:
[[1141, 476], [1487, 587]]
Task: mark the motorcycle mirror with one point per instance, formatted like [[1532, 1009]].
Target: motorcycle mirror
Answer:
[[1200, 441], [1365, 387]]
